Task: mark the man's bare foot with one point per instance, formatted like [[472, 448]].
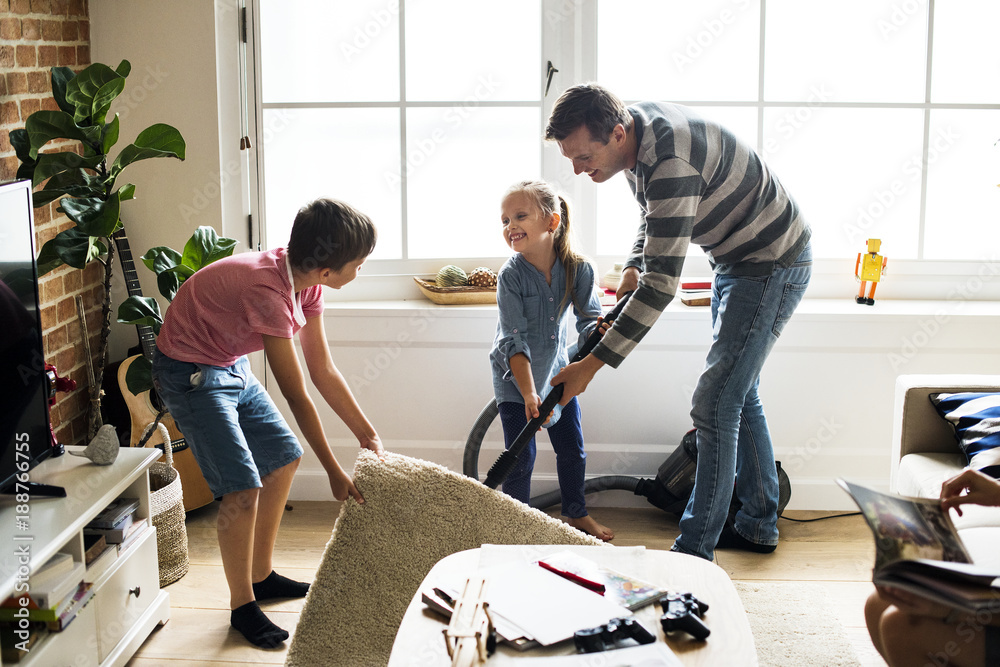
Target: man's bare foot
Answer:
[[591, 527]]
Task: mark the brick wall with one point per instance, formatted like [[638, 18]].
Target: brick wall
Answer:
[[36, 35]]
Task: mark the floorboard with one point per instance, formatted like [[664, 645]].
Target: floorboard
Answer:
[[835, 553]]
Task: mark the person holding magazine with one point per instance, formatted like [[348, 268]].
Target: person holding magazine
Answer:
[[907, 629]]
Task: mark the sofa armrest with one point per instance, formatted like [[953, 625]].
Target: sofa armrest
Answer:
[[917, 427]]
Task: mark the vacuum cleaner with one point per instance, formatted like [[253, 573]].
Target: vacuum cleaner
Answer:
[[669, 490]]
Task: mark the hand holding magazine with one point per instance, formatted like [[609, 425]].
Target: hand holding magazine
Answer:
[[917, 549]]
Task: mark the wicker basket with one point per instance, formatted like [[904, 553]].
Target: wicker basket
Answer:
[[166, 507], [449, 296]]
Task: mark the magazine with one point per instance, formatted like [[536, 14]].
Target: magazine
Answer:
[[917, 549]]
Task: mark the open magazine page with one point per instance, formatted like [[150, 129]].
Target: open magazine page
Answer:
[[907, 528]]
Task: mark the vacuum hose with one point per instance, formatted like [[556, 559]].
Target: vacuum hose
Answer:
[[470, 464]]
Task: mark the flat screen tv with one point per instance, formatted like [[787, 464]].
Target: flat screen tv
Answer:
[[25, 436]]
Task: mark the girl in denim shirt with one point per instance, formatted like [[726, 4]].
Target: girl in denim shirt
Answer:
[[535, 289]]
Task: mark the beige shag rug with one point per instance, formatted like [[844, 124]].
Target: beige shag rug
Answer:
[[792, 626], [415, 513]]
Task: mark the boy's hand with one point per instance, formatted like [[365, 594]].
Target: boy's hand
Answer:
[[374, 444], [629, 282], [969, 486], [343, 487]]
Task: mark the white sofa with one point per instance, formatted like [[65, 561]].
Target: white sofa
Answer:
[[926, 453]]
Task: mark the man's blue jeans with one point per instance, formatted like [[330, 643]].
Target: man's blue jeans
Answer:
[[748, 314]]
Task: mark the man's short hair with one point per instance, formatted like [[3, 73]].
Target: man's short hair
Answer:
[[590, 105], [329, 234]]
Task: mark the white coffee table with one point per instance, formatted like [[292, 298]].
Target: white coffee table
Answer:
[[420, 642]]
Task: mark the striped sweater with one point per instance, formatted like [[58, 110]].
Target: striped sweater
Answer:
[[697, 183]]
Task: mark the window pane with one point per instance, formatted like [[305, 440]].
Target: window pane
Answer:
[[346, 154], [460, 163], [321, 51], [457, 50], [846, 51], [966, 57], [698, 51], [963, 200], [617, 210], [851, 177]]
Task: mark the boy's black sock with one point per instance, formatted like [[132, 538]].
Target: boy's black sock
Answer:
[[277, 586], [256, 627], [730, 539]]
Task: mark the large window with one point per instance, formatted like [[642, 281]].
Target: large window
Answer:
[[880, 116], [419, 113]]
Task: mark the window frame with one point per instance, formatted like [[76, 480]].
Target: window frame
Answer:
[[569, 29]]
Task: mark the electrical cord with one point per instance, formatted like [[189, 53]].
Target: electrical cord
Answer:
[[820, 518]]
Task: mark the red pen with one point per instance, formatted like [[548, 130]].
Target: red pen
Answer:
[[590, 584]]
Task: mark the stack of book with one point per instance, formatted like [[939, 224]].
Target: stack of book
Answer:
[[117, 524], [55, 594]]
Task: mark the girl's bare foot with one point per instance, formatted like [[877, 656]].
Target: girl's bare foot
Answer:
[[591, 527]]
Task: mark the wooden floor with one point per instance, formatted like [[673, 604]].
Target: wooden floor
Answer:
[[835, 553]]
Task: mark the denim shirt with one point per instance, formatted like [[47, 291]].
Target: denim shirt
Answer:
[[530, 323]]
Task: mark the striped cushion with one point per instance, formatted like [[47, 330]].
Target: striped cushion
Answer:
[[975, 417]]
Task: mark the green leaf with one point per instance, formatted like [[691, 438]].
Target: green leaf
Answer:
[[109, 135], [141, 310], [60, 77], [93, 216], [161, 258], [72, 182], [158, 140], [205, 247], [103, 98], [139, 376], [72, 247], [170, 280], [83, 91], [43, 126], [124, 68], [22, 145], [50, 164], [126, 192]]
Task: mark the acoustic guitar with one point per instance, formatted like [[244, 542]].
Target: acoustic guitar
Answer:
[[144, 407]]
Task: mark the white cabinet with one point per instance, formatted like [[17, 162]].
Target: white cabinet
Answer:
[[127, 602]]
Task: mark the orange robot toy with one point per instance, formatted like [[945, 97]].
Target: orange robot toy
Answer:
[[869, 268]]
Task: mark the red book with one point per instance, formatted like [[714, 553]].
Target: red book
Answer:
[[697, 285]]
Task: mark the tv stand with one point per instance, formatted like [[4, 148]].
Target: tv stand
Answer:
[[128, 602]]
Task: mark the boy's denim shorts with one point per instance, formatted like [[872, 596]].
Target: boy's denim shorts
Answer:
[[233, 428]]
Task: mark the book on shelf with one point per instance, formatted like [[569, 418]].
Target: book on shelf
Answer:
[[623, 589], [93, 546], [49, 592], [60, 613], [918, 550], [111, 515], [114, 534], [100, 565], [135, 531], [54, 567]]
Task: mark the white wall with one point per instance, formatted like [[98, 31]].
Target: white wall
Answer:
[[177, 54], [422, 375]]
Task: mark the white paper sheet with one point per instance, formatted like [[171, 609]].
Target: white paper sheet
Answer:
[[548, 607]]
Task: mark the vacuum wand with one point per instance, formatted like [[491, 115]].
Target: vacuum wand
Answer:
[[506, 461]]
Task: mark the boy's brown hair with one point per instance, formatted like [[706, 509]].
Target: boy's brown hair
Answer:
[[329, 234]]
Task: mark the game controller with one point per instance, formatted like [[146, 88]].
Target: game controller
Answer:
[[683, 611]]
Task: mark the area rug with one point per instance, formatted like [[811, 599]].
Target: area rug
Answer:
[[792, 626], [415, 513]]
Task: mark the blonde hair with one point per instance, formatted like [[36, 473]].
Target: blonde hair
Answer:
[[549, 202]]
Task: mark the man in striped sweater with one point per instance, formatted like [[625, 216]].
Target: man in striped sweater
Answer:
[[695, 182]]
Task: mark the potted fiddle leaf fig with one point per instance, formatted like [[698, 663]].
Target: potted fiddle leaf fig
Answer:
[[172, 268], [85, 176]]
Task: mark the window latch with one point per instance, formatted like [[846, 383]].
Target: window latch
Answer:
[[550, 70]]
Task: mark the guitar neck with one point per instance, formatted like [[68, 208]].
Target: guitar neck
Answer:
[[147, 339]]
